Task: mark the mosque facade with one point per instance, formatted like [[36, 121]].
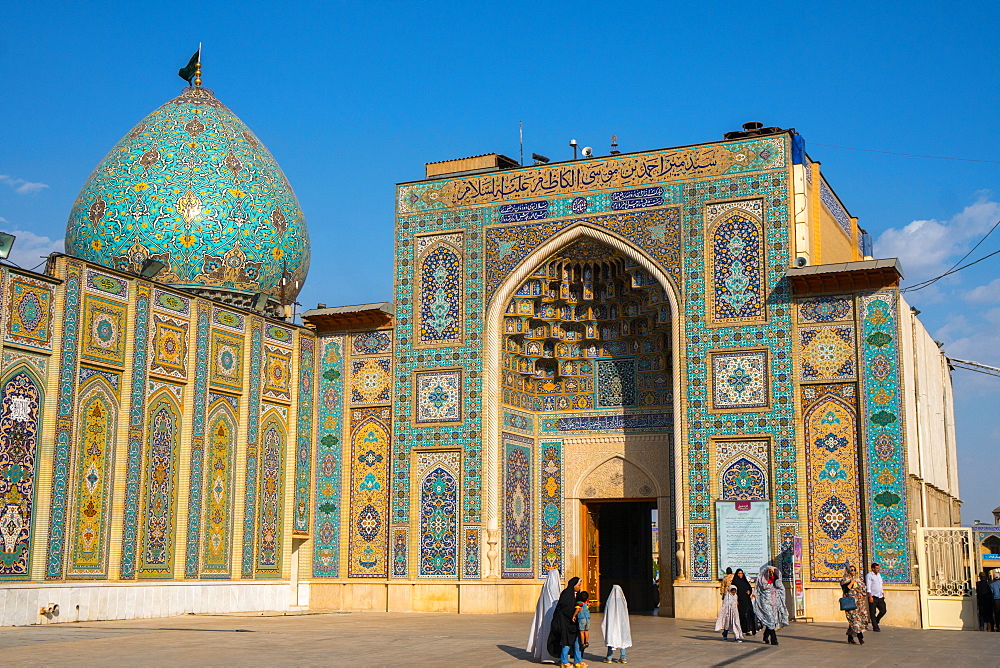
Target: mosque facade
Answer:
[[694, 339]]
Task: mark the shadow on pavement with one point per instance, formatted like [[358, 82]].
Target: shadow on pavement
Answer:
[[516, 652]]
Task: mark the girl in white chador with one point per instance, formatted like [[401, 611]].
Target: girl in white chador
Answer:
[[729, 616], [542, 622], [616, 628]]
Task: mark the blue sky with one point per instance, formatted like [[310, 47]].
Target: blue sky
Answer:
[[353, 97]]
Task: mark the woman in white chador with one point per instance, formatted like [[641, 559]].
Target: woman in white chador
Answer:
[[729, 616], [616, 628], [542, 622]]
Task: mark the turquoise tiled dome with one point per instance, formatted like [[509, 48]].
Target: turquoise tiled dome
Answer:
[[191, 186]]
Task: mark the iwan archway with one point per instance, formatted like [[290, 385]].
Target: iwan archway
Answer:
[[580, 393]]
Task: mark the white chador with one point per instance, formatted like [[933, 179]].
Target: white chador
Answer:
[[616, 629], [542, 622]]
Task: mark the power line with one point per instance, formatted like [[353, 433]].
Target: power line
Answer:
[[924, 284], [910, 155]]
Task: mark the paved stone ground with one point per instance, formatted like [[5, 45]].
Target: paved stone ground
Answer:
[[394, 639]]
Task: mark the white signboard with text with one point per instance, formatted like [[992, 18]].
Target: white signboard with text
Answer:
[[744, 535]]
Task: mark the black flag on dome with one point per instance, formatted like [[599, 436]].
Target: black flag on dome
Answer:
[[188, 71]]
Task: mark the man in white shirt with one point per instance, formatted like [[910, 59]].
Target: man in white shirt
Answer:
[[876, 596]]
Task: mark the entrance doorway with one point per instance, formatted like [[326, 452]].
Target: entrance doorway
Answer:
[[620, 551]]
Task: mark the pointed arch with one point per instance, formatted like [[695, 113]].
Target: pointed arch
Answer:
[[735, 262], [274, 436], [220, 449], [439, 290], [93, 467], [578, 485], [22, 395], [369, 493], [159, 489], [493, 325]]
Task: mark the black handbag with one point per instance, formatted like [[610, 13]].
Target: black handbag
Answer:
[[848, 603]]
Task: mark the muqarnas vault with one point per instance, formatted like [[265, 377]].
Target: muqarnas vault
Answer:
[[591, 366]]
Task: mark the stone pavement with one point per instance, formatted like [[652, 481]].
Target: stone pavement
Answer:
[[397, 639]]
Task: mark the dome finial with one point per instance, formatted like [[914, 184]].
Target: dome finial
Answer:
[[197, 71], [192, 71]]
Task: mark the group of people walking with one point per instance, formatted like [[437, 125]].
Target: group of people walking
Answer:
[[560, 630], [746, 609], [988, 602]]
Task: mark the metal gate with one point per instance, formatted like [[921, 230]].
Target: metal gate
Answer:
[[946, 560]]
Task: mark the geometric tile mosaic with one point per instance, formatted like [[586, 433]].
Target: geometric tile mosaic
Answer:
[[550, 504], [159, 485], [517, 506], [378, 342], [21, 399], [220, 453], [739, 380], [885, 456], [368, 543], [437, 479], [616, 383], [439, 289], [828, 308], [277, 373], [226, 360], [737, 261], [29, 312], [169, 347], [438, 396], [330, 370], [827, 352], [742, 468], [371, 381], [103, 330], [833, 481]]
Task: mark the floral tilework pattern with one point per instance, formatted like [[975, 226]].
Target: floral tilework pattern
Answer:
[[885, 457], [372, 343], [832, 479], [701, 553], [106, 283], [196, 488], [550, 503], [330, 371], [220, 460], [399, 552], [439, 277], [64, 424], [136, 435], [615, 383], [29, 312], [21, 397], [159, 505], [438, 396], [368, 523], [93, 466], [371, 381], [828, 308], [438, 475], [304, 435], [518, 513], [472, 541], [269, 524], [277, 373], [103, 330], [739, 380], [253, 447], [743, 467], [169, 347], [736, 261], [226, 361], [826, 352]]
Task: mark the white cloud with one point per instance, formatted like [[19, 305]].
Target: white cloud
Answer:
[[22, 186], [984, 294], [928, 247], [30, 247]]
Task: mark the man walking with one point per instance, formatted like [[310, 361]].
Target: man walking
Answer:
[[876, 596], [995, 588]]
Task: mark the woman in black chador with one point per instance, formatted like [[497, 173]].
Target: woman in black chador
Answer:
[[565, 634], [744, 592]]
